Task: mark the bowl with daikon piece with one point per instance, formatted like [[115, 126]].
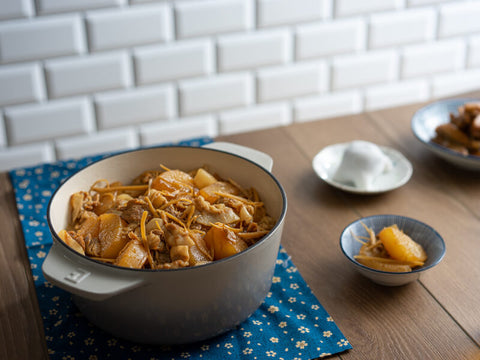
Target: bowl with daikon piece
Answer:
[[391, 250]]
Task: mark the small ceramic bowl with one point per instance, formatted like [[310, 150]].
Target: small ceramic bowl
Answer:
[[423, 234], [424, 123]]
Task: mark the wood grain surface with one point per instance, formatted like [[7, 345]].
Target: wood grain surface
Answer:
[[381, 323], [21, 327], [437, 317]]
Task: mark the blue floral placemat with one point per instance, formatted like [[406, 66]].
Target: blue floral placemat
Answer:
[[290, 324]]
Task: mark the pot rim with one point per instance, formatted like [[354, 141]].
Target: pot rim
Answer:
[[94, 262]]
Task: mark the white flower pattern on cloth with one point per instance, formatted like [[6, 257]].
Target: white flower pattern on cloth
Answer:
[[290, 323]]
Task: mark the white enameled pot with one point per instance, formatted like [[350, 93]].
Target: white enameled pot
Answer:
[[170, 306]]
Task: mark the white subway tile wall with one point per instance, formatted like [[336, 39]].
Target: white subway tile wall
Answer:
[[212, 17], [399, 28], [41, 38], [254, 49], [18, 156], [459, 18], [127, 27], [13, 9], [97, 143], [326, 38], [255, 118], [48, 121], [3, 136], [443, 56], [174, 61], [215, 93], [291, 81], [365, 7], [364, 69], [281, 12], [21, 84], [330, 105], [59, 6], [171, 131], [454, 83], [81, 77], [88, 74], [395, 94], [136, 106], [473, 56]]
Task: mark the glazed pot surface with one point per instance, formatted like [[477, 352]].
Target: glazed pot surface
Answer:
[[168, 306]]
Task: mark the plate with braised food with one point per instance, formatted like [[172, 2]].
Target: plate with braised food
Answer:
[[451, 130]]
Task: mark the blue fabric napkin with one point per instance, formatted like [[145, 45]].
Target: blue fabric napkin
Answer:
[[290, 324]]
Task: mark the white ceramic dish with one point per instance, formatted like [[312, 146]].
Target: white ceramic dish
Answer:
[[174, 306], [425, 121], [422, 233], [326, 162]]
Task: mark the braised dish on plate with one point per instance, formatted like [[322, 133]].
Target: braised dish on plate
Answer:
[[462, 133], [165, 219], [448, 128]]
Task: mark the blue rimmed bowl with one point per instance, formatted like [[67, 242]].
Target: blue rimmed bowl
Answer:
[[424, 123], [420, 232]]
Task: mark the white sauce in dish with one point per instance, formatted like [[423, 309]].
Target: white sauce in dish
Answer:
[[361, 163]]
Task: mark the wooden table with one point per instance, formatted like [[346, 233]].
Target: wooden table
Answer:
[[437, 317]]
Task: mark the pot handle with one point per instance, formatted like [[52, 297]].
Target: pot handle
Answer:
[[256, 156], [94, 284]]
